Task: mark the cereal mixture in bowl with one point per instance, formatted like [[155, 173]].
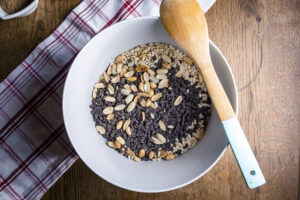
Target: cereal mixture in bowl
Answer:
[[151, 103]]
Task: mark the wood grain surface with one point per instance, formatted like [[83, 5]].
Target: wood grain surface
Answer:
[[261, 41]]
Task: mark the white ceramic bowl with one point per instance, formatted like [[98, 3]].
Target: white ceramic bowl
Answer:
[[90, 146]]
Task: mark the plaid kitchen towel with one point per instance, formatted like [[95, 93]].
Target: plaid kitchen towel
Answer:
[[34, 148]]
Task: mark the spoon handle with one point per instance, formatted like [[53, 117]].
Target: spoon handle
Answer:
[[243, 153], [235, 135]]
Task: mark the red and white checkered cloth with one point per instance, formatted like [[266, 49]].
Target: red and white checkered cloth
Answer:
[[34, 148]]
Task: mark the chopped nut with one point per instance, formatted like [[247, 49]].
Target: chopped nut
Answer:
[[119, 67], [120, 107], [128, 131], [151, 72], [110, 99], [156, 97], [143, 116], [170, 126], [143, 103], [136, 99], [126, 124], [166, 65], [166, 58], [129, 98], [146, 87], [161, 46], [108, 71], [148, 102], [127, 87], [151, 92], [155, 140], [129, 74], [142, 68], [116, 79], [136, 159], [99, 85], [111, 144], [179, 74], [114, 68], [188, 60], [144, 51], [120, 58], [123, 71], [106, 77], [100, 129], [163, 83], [119, 125], [131, 153], [151, 154], [142, 78], [117, 144], [110, 116], [143, 94], [161, 138], [94, 93], [146, 76], [125, 92], [152, 105], [161, 71], [143, 55], [134, 88], [142, 153], [153, 79], [177, 100], [110, 89], [131, 106], [101, 79], [161, 76], [162, 126], [163, 153], [153, 85], [132, 79], [120, 140], [141, 86], [170, 156], [108, 110]]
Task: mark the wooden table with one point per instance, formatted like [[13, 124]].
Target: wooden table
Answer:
[[261, 41]]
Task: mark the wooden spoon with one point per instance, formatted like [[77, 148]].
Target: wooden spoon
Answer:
[[186, 24]]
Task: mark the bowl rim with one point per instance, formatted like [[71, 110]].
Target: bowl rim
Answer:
[[147, 190]]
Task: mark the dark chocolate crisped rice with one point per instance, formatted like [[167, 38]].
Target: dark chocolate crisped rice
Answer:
[[151, 103]]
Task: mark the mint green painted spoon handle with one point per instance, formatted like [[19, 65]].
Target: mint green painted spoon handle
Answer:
[[243, 154]]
